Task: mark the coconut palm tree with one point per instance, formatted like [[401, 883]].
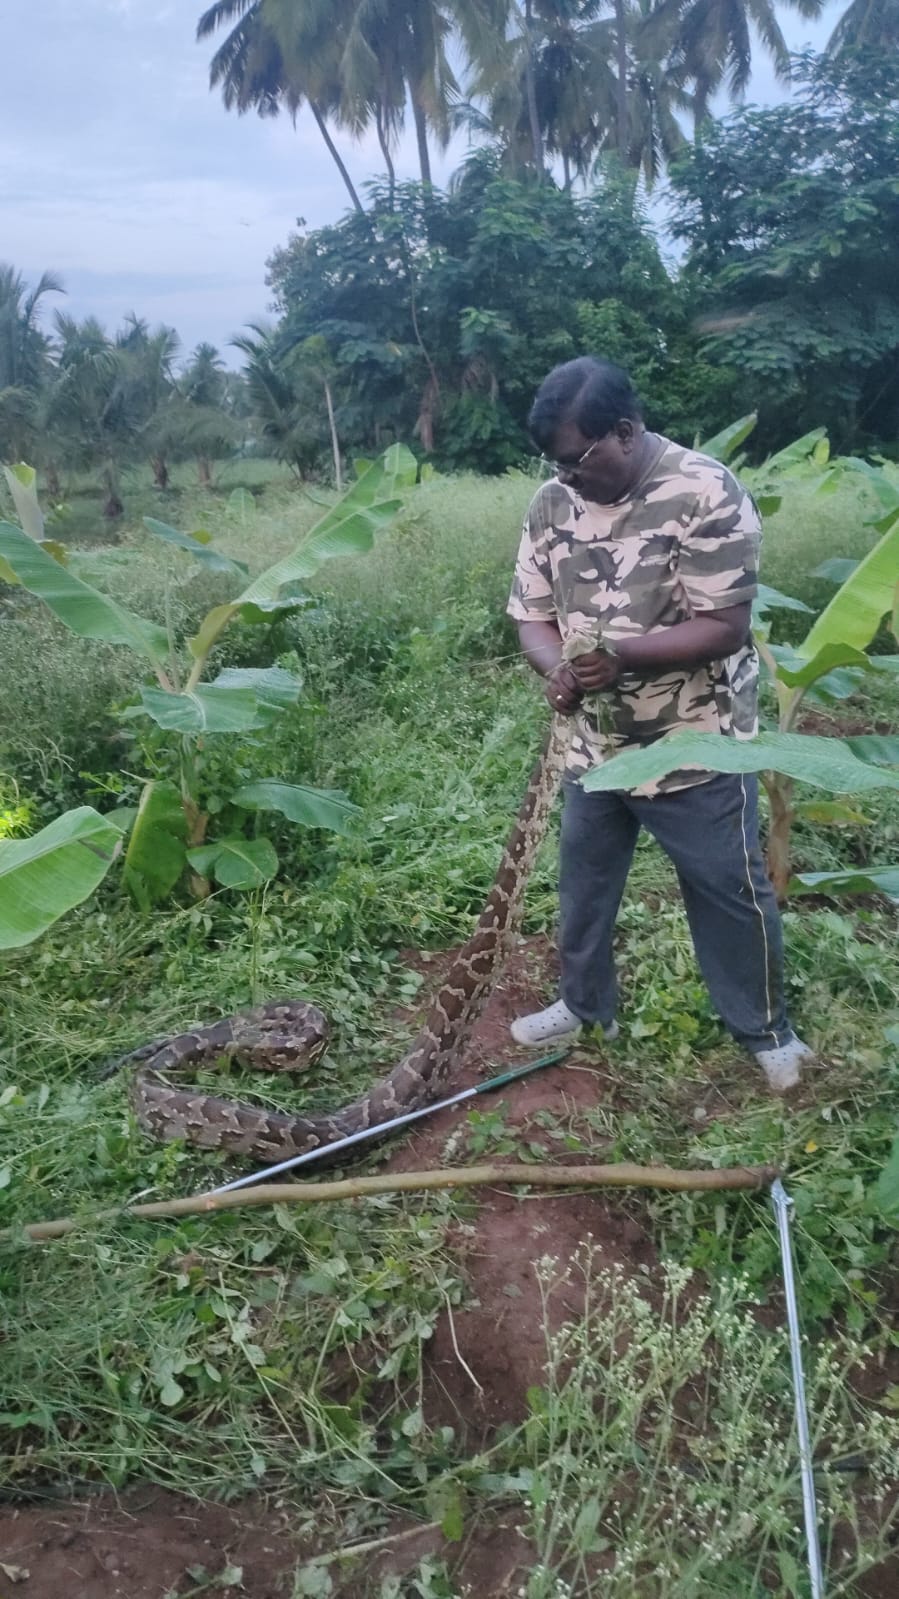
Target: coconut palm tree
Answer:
[[148, 391], [867, 24], [84, 406], [274, 400], [557, 91], [541, 86], [355, 63], [388, 52], [709, 43], [24, 359], [250, 68], [203, 380]]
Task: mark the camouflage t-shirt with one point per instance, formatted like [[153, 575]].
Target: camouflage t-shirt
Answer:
[[687, 540]]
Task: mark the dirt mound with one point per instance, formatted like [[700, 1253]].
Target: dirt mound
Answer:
[[484, 1357]]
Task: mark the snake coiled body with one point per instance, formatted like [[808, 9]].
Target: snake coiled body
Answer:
[[289, 1034]]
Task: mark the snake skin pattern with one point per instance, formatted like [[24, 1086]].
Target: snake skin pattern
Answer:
[[291, 1034]]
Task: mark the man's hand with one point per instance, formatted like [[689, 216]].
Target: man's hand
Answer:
[[562, 690], [595, 672]]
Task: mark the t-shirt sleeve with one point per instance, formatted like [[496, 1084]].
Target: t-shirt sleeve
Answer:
[[719, 555], [531, 599]]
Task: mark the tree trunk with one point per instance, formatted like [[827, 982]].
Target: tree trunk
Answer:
[[54, 486], [336, 157], [160, 472], [421, 135], [621, 85], [530, 83], [335, 442], [113, 507], [427, 408], [204, 471], [385, 151], [780, 797], [566, 171], [196, 820]]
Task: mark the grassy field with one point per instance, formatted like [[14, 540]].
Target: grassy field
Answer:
[[287, 1354]]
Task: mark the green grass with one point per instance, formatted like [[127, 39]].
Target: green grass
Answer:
[[284, 1351]]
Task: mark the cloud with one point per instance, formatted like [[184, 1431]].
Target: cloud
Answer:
[[121, 171]]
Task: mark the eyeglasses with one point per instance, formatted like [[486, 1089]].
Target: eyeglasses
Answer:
[[570, 466]]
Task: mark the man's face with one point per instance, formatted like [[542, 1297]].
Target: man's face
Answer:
[[597, 469]]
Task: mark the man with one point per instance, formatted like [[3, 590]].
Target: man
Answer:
[[646, 553]]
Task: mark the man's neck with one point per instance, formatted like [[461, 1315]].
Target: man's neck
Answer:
[[643, 453]]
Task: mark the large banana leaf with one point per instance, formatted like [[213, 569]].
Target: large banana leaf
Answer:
[[46, 875], [876, 479], [236, 862], [261, 613], [874, 880], [798, 451], [881, 749], [82, 609], [831, 813], [198, 544], [836, 683], [22, 483], [769, 599], [835, 570], [858, 608], [351, 533], [155, 857], [308, 807], [348, 527], [824, 762], [806, 672], [724, 445], [238, 700]]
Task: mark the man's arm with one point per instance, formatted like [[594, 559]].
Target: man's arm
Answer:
[[541, 646], [708, 637]]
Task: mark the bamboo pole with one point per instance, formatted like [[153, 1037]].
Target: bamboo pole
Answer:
[[623, 1175]]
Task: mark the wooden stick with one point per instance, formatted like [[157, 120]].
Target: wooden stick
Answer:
[[623, 1175]]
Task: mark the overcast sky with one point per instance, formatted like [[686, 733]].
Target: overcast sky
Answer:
[[123, 173]]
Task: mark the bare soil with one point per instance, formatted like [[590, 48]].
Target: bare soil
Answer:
[[148, 1544]]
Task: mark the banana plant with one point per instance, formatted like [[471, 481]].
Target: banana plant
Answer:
[[167, 831], [48, 874], [21, 480], [829, 664]]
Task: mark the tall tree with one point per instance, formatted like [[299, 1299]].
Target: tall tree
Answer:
[[867, 24], [148, 393], [546, 87], [250, 67], [199, 421], [710, 43], [275, 402], [576, 85], [86, 407], [203, 380], [791, 215], [24, 358], [398, 47], [444, 333]]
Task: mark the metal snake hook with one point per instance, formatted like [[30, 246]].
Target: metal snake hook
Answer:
[[783, 1205]]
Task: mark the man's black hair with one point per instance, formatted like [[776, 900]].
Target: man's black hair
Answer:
[[592, 393]]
